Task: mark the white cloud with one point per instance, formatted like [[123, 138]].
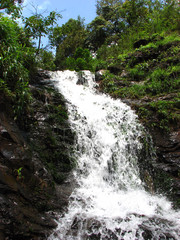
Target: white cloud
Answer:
[[44, 5]]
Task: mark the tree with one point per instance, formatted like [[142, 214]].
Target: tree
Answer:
[[17, 57], [98, 29], [102, 4], [107, 26], [38, 26], [4, 4], [134, 12], [11, 7], [56, 37], [46, 60], [81, 60], [67, 39], [166, 15]]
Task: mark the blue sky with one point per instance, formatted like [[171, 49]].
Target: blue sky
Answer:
[[68, 8]]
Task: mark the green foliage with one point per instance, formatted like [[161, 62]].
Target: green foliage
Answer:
[[15, 53], [12, 7], [108, 53], [19, 173], [164, 80], [126, 22], [139, 71], [46, 60], [82, 60], [37, 25], [100, 64], [160, 81], [98, 30], [67, 39], [160, 113], [109, 82], [114, 31], [134, 91]]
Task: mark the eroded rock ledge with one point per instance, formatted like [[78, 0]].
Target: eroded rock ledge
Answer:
[[35, 164]]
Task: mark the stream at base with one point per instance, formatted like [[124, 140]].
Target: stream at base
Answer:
[[109, 201]]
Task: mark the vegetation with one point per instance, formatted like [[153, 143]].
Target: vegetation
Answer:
[[38, 26], [135, 42], [17, 55], [67, 39], [12, 7], [19, 58]]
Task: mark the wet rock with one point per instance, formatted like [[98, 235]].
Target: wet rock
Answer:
[[35, 166], [99, 75], [160, 164], [115, 69], [82, 80]]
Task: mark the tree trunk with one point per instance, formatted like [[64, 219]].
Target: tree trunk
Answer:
[[39, 45]]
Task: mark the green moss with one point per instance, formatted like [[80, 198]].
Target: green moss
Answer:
[[168, 39]]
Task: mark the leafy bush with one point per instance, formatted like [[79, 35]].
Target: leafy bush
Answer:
[[135, 91], [82, 60], [46, 60], [164, 80], [100, 64], [15, 55], [139, 71]]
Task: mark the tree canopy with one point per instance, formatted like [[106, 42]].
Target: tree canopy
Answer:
[[38, 26], [12, 7], [114, 31], [67, 38]]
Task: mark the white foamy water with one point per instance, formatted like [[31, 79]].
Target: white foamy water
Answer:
[[110, 201]]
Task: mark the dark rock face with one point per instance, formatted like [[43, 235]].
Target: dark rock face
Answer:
[[160, 166], [99, 75], [167, 165], [35, 166]]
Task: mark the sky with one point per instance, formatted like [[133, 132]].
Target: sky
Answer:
[[67, 8]]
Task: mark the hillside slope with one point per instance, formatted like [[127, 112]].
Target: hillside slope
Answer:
[[148, 78]]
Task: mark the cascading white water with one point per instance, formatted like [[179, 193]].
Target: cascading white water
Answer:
[[109, 201]]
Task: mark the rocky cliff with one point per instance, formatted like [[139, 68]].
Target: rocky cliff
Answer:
[[35, 164]]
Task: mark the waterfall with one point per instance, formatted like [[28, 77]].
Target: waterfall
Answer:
[[109, 200]]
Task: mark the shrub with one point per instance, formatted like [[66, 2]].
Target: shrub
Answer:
[[15, 53], [82, 60], [46, 60]]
